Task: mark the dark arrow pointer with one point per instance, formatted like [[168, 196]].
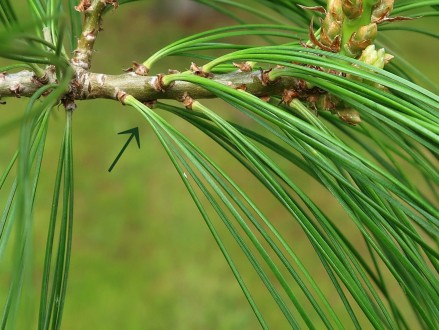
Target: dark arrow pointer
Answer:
[[134, 133]]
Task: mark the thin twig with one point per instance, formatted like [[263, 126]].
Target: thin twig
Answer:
[[93, 11]]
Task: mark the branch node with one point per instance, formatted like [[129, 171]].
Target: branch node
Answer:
[[138, 69], [114, 3], [243, 66], [199, 71], [288, 96], [150, 104], [120, 96], [187, 101], [265, 77], [68, 101], [158, 84], [83, 6], [45, 78]]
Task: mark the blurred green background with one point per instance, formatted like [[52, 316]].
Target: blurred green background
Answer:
[[142, 256]]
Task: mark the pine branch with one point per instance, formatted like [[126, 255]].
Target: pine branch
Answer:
[[93, 11], [88, 85], [24, 83], [146, 88]]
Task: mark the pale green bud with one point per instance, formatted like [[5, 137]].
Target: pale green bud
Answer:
[[377, 58]]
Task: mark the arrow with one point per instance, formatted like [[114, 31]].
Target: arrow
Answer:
[[134, 133]]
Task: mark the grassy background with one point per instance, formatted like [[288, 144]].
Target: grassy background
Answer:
[[142, 256]]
